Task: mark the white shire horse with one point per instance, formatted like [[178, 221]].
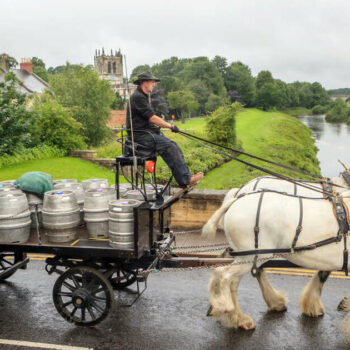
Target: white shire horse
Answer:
[[279, 217]]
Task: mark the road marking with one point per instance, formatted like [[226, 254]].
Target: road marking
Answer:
[[303, 274], [41, 345]]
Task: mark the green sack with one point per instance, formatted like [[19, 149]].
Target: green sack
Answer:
[[35, 182]]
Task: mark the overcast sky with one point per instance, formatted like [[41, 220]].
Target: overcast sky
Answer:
[[305, 40]]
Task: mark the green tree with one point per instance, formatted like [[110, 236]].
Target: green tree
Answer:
[[182, 101], [41, 72], [263, 77], [138, 70], [169, 83], [205, 70], [118, 102], [39, 68], [214, 102], [12, 62], [239, 78], [89, 98], [221, 125], [14, 117], [339, 112], [200, 92], [284, 98], [220, 64], [56, 70], [268, 96], [38, 62], [54, 125]]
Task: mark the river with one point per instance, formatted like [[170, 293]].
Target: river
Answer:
[[333, 142]]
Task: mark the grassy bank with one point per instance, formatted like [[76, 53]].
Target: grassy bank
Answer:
[[297, 111], [59, 168], [272, 135]]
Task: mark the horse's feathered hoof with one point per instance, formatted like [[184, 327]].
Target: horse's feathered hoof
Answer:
[[246, 323], [210, 311], [343, 304]]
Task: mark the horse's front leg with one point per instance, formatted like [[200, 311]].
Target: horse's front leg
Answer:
[[310, 300], [275, 300]]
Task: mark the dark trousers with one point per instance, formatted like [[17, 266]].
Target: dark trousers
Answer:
[[170, 152]]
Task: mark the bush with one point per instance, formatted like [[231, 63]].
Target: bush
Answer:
[[338, 113], [14, 117], [27, 154], [318, 109], [221, 125], [54, 125]]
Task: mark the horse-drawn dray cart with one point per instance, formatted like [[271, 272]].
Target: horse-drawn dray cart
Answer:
[[91, 269]]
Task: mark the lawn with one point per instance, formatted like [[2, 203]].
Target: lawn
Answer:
[[59, 168]]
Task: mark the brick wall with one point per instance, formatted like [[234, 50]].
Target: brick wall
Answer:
[[117, 118]]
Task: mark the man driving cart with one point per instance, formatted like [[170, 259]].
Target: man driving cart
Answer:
[[145, 126]]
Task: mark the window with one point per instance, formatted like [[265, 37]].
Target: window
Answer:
[[109, 67], [114, 67]]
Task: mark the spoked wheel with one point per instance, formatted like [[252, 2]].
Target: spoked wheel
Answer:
[[83, 296], [121, 278], [7, 260]]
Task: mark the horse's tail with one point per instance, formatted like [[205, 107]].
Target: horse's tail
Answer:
[[229, 195], [209, 229]]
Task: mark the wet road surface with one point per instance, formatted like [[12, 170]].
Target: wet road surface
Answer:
[[171, 315]]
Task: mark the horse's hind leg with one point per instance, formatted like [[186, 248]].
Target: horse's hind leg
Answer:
[[275, 300], [310, 300], [223, 288]]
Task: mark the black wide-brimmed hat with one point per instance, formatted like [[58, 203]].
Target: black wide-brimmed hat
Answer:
[[144, 77]]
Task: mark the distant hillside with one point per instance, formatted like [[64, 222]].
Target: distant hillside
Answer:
[[343, 91]]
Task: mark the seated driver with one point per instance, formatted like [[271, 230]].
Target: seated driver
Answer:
[[146, 130]]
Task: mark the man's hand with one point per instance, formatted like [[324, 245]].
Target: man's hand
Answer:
[[174, 128]]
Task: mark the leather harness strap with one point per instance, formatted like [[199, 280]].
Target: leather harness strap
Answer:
[[299, 227], [256, 183], [256, 233]]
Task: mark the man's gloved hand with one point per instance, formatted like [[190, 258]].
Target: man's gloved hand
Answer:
[[174, 128]]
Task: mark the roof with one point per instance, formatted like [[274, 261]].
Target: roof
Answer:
[[31, 82]]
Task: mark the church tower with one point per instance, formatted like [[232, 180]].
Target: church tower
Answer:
[[110, 67]]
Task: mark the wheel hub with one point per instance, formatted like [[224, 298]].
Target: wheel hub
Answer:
[[80, 298]]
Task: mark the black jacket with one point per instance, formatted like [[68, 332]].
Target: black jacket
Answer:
[[141, 111]]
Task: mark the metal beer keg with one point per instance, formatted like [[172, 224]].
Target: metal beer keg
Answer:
[[61, 215], [78, 190], [7, 183], [121, 223], [96, 211], [136, 194], [14, 217], [65, 181], [94, 184]]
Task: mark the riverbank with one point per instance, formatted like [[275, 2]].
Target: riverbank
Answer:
[[273, 135]]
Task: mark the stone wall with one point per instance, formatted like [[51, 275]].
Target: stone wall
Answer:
[[117, 118], [89, 155], [194, 210]]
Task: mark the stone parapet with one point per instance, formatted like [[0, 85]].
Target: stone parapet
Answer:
[[194, 210], [106, 162], [89, 155]]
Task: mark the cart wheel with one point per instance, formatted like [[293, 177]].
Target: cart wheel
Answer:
[[121, 278], [7, 260], [83, 296]]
